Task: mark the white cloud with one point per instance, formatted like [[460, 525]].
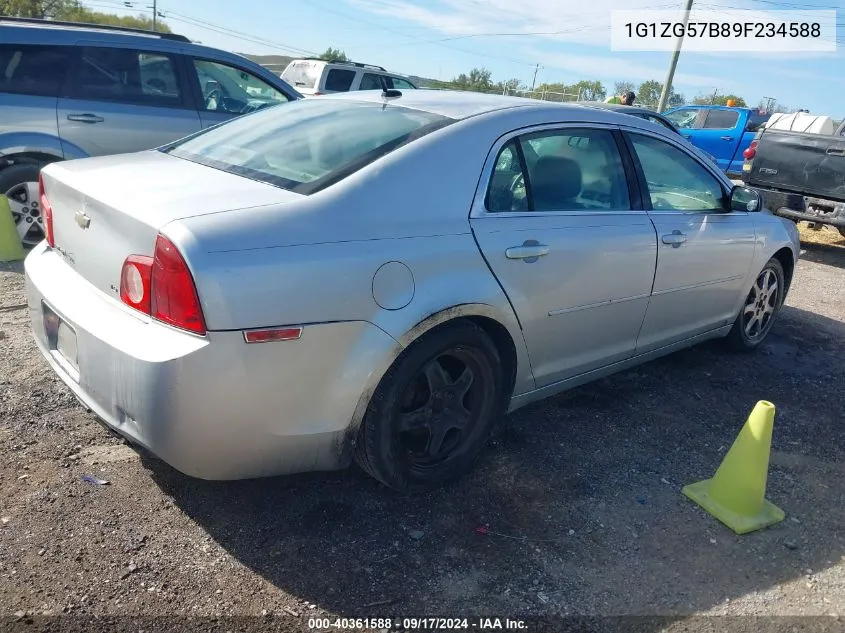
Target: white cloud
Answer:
[[559, 21]]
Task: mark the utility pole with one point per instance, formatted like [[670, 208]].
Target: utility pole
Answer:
[[534, 81], [155, 13], [667, 85], [770, 101]]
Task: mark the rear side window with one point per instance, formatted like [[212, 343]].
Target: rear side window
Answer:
[[33, 70], [308, 144], [401, 84], [127, 76], [563, 170], [721, 120], [372, 81], [756, 121], [339, 80]]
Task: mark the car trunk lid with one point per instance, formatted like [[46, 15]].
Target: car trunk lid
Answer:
[[105, 209]]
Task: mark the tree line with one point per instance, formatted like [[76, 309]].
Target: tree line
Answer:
[[648, 92], [74, 11]]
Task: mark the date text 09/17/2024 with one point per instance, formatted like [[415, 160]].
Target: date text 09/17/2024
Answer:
[[416, 624]]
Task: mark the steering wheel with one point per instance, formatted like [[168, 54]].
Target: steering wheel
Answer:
[[213, 99]]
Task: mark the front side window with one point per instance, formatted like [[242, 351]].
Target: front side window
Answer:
[[402, 84], [33, 70], [661, 122], [721, 120], [127, 76], [562, 170], [308, 144], [685, 118], [339, 80], [233, 91], [676, 181]]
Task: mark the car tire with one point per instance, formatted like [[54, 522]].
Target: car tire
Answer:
[[20, 184], [415, 435], [760, 308]]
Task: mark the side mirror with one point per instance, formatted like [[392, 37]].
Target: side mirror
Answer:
[[745, 199]]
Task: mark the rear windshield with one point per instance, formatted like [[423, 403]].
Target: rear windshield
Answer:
[[309, 144], [303, 74]]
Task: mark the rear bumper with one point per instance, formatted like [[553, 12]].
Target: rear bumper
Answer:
[[798, 207], [212, 407]]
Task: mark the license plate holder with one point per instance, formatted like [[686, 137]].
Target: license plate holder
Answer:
[[61, 340]]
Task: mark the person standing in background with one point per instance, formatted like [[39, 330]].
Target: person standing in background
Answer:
[[626, 98]]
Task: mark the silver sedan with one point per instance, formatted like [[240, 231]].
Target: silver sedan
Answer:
[[381, 276]]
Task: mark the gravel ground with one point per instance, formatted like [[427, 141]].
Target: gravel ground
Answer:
[[580, 495]]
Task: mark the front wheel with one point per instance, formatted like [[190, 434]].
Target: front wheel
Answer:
[[433, 411], [761, 307]]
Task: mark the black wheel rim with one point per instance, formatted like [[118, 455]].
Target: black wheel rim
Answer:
[[761, 305], [441, 409]]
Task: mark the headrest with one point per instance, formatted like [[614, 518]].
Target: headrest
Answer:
[[555, 181]]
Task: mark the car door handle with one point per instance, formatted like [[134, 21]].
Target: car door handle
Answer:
[[527, 251], [835, 151], [85, 118], [727, 138], [675, 239]]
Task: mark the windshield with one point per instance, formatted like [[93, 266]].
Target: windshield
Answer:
[[302, 74], [309, 144]]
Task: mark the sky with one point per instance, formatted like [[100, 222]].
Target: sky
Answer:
[[561, 40]]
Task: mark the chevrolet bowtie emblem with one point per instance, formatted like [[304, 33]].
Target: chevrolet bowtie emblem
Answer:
[[82, 219]]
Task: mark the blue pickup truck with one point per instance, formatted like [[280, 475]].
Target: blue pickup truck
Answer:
[[721, 131]]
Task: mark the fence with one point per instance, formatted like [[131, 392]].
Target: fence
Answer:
[[545, 95]]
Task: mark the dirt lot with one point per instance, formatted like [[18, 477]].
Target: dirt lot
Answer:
[[581, 496]]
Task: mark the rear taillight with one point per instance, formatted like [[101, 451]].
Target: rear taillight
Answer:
[[751, 151], [46, 213], [135, 282], [162, 286]]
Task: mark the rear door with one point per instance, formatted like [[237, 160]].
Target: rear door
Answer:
[[704, 250], [120, 100], [30, 80], [559, 221]]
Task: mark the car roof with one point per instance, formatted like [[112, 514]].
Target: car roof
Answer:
[[458, 105], [455, 104], [57, 33], [618, 107]]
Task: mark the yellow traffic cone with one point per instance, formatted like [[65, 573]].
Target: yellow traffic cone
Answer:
[[736, 495], [11, 249]]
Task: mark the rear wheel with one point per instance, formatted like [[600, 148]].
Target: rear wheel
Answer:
[[761, 307], [19, 183], [433, 411]]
